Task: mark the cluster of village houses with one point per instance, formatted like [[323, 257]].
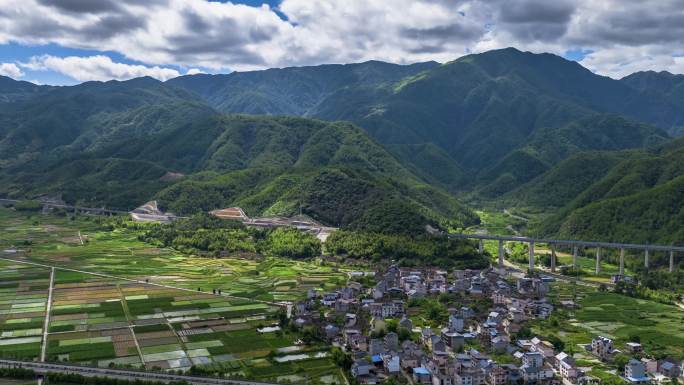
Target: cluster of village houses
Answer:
[[443, 356]]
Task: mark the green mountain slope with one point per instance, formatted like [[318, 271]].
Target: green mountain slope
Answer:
[[548, 147], [122, 143], [480, 108], [432, 163], [472, 116], [666, 90], [531, 129], [92, 114], [639, 199], [290, 91], [564, 182], [331, 171], [12, 90]]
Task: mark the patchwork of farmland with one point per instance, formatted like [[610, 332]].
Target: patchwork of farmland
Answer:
[[660, 327], [108, 322], [86, 245], [23, 300]]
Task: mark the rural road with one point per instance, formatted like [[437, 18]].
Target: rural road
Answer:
[[515, 216], [132, 375], [48, 308]]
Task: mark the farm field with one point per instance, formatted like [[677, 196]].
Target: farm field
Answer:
[[117, 323], [133, 305], [23, 301], [659, 327], [86, 245]]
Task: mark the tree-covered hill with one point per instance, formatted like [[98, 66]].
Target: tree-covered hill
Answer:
[[120, 144], [12, 90], [630, 196], [91, 115], [548, 147], [662, 88], [564, 182]]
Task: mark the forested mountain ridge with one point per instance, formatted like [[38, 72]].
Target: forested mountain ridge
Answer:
[[503, 124], [548, 147], [122, 143], [663, 87], [12, 90], [475, 114], [293, 90], [91, 115], [628, 196]]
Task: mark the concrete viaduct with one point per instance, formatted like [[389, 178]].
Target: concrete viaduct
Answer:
[[78, 209], [553, 243], [83, 210]]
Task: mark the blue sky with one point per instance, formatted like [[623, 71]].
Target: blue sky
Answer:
[[14, 52], [58, 42]]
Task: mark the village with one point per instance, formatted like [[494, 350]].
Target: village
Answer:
[[480, 342]]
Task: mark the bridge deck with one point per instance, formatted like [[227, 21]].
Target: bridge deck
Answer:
[[607, 245]]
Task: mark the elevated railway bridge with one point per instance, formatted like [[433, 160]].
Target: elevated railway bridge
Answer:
[[575, 245]]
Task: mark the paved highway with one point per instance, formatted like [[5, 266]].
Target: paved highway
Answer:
[[132, 375]]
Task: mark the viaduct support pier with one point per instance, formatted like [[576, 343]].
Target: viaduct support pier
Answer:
[[575, 245]]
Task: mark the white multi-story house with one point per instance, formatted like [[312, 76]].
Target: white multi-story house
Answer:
[[499, 297], [391, 364], [602, 347], [533, 360], [543, 347], [533, 369], [387, 309], [651, 365], [566, 366]]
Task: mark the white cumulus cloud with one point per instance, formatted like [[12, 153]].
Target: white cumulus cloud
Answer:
[[220, 36], [98, 67], [11, 70]]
